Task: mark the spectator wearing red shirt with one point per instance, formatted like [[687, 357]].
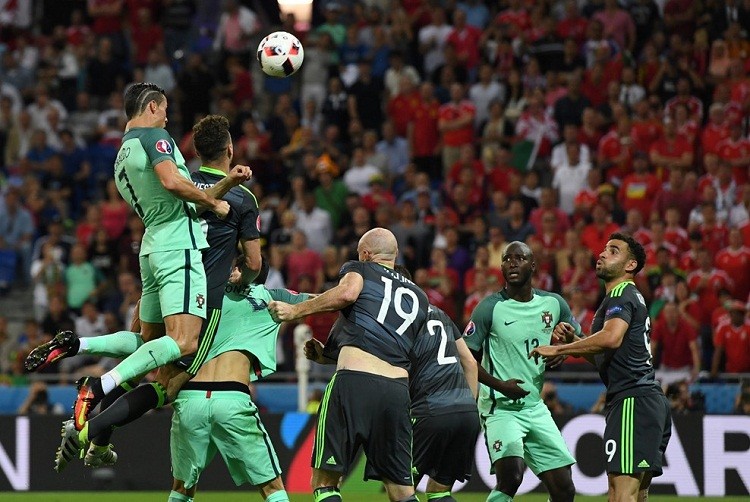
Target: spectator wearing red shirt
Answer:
[[378, 195], [732, 340], [676, 194], [465, 40], [671, 152], [715, 234], [423, 132], [500, 171], [715, 131], [640, 188], [581, 276], [616, 151], [684, 97], [467, 160], [634, 226], [676, 341], [515, 15], [145, 35], [482, 267], [589, 133], [689, 259], [673, 232], [402, 106], [647, 126], [456, 125], [572, 25], [107, 16], [706, 282], [736, 150], [548, 205], [303, 261], [550, 239], [735, 261], [485, 285], [596, 234]]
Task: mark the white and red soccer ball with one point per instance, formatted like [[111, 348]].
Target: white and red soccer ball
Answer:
[[280, 54]]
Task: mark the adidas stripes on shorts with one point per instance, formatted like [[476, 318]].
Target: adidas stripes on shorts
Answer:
[[636, 435]]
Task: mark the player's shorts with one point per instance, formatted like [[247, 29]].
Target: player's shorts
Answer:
[[529, 433], [211, 417], [637, 432], [443, 446], [367, 410], [173, 282]]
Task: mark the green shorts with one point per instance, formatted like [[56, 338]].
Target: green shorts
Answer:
[[174, 282], [529, 433], [223, 421]]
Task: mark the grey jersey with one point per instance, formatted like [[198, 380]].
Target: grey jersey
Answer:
[[436, 381], [628, 369]]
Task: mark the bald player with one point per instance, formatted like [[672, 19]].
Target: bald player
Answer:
[[367, 401]]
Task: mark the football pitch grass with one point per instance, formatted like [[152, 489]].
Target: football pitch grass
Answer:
[[245, 496]]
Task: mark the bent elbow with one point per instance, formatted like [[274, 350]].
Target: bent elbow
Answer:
[[349, 295]]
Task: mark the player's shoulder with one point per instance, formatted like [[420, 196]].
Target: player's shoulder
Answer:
[[624, 292], [487, 305], [434, 312], [551, 295], [149, 136], [352, 266]]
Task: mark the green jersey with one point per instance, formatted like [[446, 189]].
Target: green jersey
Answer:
[[246, 325], [171, 223], [506, 331]]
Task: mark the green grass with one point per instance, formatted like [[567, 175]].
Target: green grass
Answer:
[[244, 496]]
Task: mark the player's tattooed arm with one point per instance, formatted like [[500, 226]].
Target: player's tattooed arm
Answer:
[[509, 388]]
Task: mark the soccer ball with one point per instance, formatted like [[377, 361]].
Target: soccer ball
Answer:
[[280, 54]]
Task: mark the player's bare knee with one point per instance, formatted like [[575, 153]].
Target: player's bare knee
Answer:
[[322, 479], [273, 486], [179, 486], [564, 492], [187, 344]]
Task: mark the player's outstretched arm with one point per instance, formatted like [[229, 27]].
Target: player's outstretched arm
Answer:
[[609, 337], [344, 294], [469, 365], [182, 188], [237, 175]]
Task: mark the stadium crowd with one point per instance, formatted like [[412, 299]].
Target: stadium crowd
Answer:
[[460, 126]]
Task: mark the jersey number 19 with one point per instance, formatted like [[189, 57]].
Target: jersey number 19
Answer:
[[389, 296]]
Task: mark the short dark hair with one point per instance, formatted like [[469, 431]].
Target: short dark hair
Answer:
[[139, 95], [211, 137], [635, 250]]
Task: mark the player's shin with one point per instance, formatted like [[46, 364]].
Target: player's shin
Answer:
[[279, 496], [149, 356], [120, 344], [129, 407], [327, 493]]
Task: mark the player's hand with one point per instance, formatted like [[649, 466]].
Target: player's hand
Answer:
[[512, 389], [545, 351], [240, 174], [314, 350], [563, 332], [281, 311], [235, 276], [554, 362], [221, 208]]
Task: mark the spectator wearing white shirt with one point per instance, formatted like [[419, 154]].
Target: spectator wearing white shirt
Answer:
[[432, 40], [314, 222], [357, 177], [630, 91], [560, 151], [42, 105], [570, 177], [90, 323], [483, 92], [396, 71], [395, 148], [236, 25]]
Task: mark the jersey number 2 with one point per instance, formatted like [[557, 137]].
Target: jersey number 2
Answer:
[[441, 358], [397, 297]]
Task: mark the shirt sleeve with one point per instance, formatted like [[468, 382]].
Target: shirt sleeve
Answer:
[[159, 146], [620, 307], [351, 266], [480, 324], [287, 296], [250, 218]]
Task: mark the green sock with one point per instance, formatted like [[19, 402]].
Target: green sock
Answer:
[[498, 496], [439, 496], [328, 493], [178, 497], [149, 356], [120, 344], [279, 496]]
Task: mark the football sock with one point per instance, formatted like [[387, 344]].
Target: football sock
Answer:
[[120, 344], [102, 439], [129, 407], [327, 493], [498, 496], [413, 498], [279, 496], [178, 497], [149, 356], [440, 496]]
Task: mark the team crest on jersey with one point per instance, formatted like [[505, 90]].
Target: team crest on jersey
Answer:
[[164, 146], [200, 300], [547, 319], [470, 329], [497, 445]]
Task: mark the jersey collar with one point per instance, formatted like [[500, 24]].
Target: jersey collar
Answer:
[[211, 170]]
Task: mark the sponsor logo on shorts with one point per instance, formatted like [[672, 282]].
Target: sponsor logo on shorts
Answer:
[[164, 146], [200, 300], [470, 329], [497, 445]]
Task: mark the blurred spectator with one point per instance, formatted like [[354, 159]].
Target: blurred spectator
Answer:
[[16, 233], [570, 177], [640, 188], [742, 402], [735, 261], [596, 234], [681, 400], [81, 278], [553, 402], [674, 344], [732, 342], [302, 260], [48, 276], [676, 194], [581, 277], [8, 349], [236, 26], [37, 401], [314, 222], [456, 125], [58, 319]]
